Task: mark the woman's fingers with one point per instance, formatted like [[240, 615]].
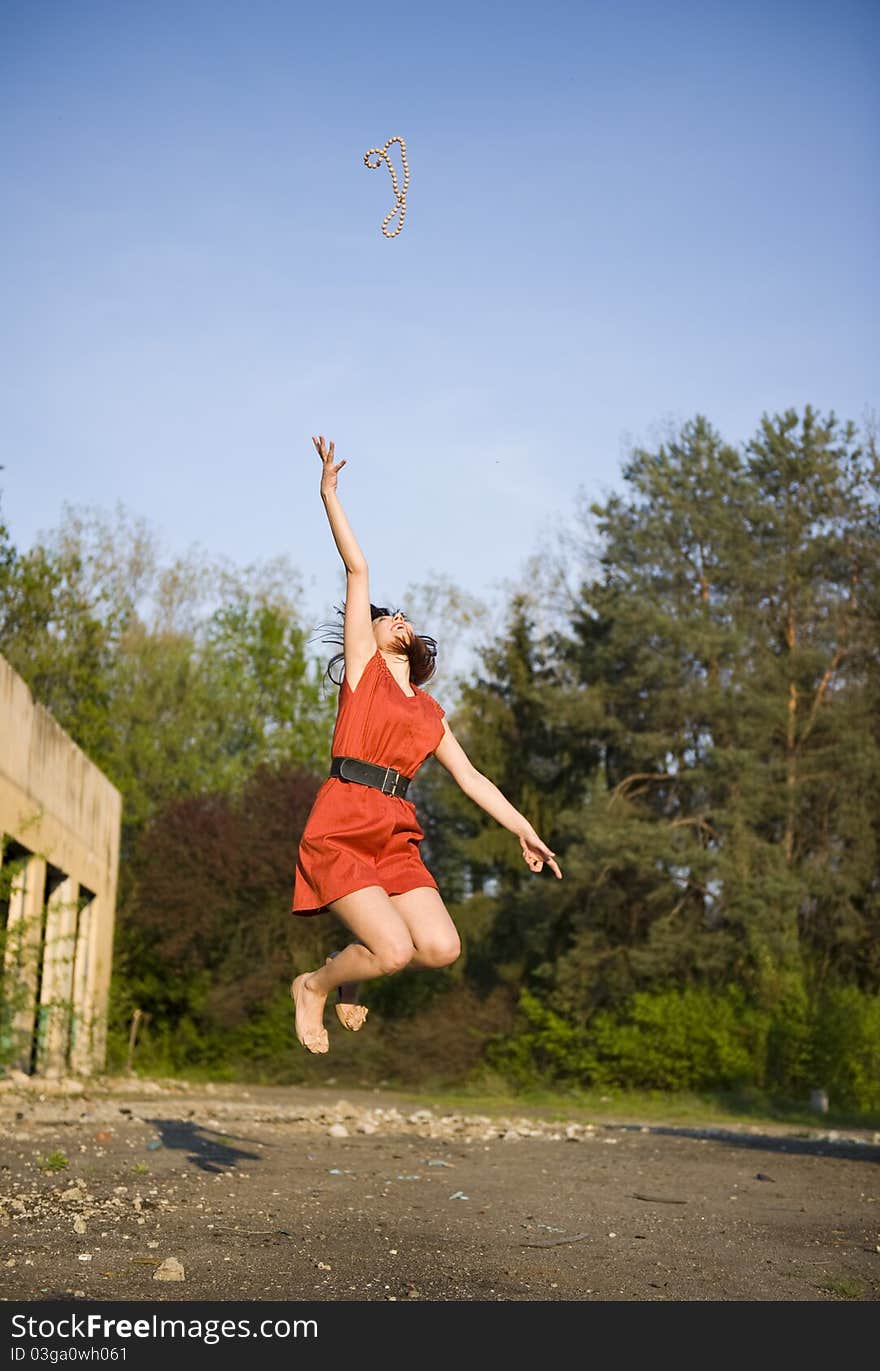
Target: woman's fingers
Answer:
[[326, 455], [537, 853]]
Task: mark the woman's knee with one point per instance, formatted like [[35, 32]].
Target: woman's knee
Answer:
[[441, 951], [393, 955], [372, 918]]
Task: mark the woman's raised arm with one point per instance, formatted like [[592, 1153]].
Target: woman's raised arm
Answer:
[[359, 643]]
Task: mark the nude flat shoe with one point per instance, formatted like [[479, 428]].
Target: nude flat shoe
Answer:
[[314, 1042], [351, 1016]]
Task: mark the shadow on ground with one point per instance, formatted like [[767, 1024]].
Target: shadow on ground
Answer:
[[208, 1150], [766, 1142]]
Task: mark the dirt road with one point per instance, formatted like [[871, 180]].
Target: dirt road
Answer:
[[285, 1193]]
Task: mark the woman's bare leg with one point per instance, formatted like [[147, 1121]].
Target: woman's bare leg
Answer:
[[349, 1013], [435, 939], [385, 946], [434, 935]]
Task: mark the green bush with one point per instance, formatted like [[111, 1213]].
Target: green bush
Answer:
[[682, 1039], [545, 1045], [699, 1039], [787, 1063], [674, 1040], [846, 1048]]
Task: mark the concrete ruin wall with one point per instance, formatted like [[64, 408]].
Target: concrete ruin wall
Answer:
[[60, 822]]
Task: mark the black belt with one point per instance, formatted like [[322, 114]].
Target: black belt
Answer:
[[384, 778]]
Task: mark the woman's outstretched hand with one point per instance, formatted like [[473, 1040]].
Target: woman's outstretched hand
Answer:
[[328, 475], [537, 853]]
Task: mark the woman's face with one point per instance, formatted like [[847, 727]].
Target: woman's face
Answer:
[[392, 631]]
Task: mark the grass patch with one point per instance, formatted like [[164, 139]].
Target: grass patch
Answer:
[[657, 1106], [140, 1169], [844, 1287], [56, 1161]]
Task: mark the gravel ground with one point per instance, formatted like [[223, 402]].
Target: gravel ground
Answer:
[[180, 1192]]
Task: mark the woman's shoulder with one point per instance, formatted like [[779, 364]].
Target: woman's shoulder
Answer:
[[435, 705]]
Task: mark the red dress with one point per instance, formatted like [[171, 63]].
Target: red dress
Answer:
[[355, 836]]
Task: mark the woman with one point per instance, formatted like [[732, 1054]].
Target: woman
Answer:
[[359, 855]]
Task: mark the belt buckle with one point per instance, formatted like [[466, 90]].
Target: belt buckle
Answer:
[[393, 783]]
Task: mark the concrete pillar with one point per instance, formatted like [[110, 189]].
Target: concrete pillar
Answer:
[[82, 1000], [21, 957], [56, 988], [100, 969]]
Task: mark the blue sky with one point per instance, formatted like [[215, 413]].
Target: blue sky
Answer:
[[618, 215]]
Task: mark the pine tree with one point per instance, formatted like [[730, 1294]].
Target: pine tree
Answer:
[[710, 654], [503, 725]]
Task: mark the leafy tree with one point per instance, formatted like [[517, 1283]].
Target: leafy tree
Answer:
[[175, 678], [59, 641], [722, 660], [208, 936]]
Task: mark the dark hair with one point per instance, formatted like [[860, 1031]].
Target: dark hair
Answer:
[[422, 651]]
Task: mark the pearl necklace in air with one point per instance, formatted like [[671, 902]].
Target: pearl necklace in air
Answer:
[[399, 195]]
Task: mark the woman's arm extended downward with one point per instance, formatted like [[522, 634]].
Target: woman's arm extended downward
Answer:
[[358, 642], [450, 753]]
